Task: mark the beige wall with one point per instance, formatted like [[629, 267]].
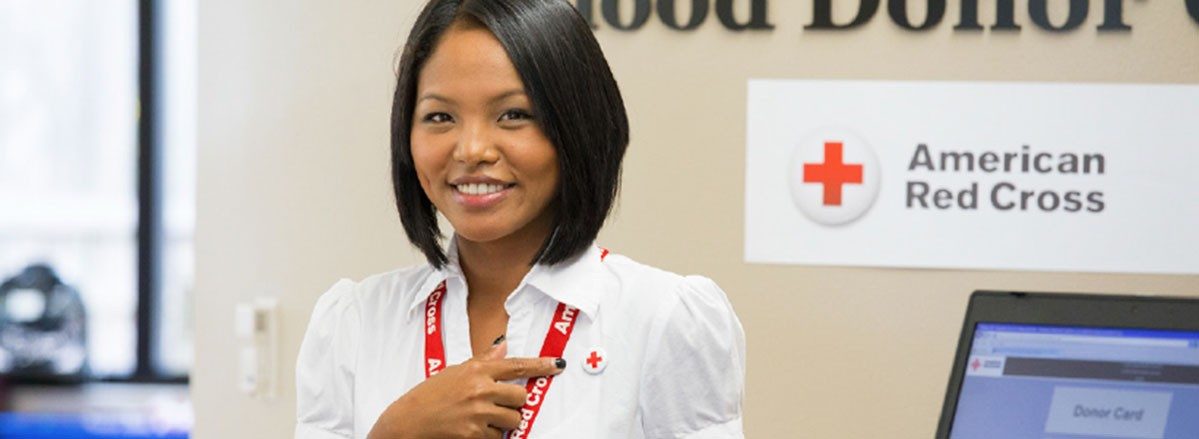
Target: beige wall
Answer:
[[293, 192]]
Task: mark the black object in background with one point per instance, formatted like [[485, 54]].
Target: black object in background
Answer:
[[43, 329]]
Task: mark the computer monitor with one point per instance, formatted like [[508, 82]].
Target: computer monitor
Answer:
[[1065, 366]]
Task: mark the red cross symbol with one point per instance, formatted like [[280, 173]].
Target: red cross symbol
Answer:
[[975, 365], [832, 173], [594, 360]]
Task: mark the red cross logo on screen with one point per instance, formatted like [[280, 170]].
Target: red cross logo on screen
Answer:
[[976, 364], [833, 173]]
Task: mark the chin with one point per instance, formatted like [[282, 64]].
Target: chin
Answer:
[[481, 232]]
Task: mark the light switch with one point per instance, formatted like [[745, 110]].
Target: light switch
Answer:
[[256, 325], [248, 370], [244, 323]]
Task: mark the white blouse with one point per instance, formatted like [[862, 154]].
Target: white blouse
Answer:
[[675, 351]]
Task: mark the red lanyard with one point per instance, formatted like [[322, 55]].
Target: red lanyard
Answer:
[[537, 387], [434, 349]]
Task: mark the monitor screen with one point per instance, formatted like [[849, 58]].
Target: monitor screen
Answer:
[[1058, 382]]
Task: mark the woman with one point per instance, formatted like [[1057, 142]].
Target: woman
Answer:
[[508, 122]]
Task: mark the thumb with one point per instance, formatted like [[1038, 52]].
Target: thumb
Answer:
[[498, 351]]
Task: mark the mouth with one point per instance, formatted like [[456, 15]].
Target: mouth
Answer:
[[481, 188], [481, 194]]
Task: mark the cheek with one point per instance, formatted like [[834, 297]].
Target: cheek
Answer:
[[426, 160], [547, 165]]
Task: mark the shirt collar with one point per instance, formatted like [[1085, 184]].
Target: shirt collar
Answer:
[[573, 282], [449, 270]]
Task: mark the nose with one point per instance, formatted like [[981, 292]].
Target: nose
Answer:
[[476, 146]]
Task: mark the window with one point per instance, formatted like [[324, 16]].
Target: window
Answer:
[[177, 140], [79, 194]]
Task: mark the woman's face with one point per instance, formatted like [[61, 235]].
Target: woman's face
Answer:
[[480, 155]]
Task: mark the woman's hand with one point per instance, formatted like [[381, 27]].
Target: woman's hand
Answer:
[[465, 400]]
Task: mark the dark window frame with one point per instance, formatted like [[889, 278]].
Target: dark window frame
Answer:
[[149, 195]]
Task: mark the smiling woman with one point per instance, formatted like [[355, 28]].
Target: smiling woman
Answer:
[[507, 121], [481, 158]]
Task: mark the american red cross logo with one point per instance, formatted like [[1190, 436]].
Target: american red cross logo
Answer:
[[833, 173], [594, 360], [976, 364], [820, 158]]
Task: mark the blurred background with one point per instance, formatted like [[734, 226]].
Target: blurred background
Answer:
[[97, 218]]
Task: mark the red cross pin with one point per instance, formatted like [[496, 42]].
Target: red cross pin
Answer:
[[596, 361]]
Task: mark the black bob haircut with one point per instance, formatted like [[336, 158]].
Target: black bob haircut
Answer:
[[576, 103]]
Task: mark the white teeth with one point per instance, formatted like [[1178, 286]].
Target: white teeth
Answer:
[[479, 189]]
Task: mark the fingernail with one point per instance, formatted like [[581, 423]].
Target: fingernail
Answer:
[[498, 340], [560, 363]]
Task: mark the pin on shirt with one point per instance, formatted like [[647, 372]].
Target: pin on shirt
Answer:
[[595, 361]]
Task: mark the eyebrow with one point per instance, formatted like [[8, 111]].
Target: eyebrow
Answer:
[[508, 94], [435, 97], [499, 97]]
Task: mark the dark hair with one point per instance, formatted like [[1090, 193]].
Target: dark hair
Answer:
[[575, 99]]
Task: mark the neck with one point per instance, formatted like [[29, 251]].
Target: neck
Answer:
[[493, 269]]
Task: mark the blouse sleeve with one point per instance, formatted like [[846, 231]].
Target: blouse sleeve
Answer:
[[695, 369], [325, 367]]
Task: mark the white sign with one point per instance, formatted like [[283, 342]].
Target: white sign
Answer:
[[1008, 176]]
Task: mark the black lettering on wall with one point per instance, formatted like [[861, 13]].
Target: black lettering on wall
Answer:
[[1113, 16], [822, 15], [586, 9], [699, 13], [757, 15], [899, 14], [968, 20], [1005, 15], [1038, 11], [640, 14]]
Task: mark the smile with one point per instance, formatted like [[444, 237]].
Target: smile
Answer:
[[481, 188]]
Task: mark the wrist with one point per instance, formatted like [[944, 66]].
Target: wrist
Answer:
[[386, 426]]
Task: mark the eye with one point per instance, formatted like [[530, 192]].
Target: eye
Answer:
[[437, 117], [516, 114]]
